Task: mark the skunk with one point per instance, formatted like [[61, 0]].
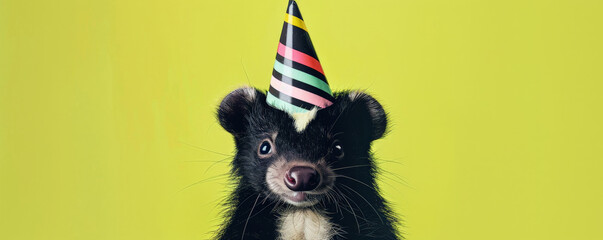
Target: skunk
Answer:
[[305, 176]]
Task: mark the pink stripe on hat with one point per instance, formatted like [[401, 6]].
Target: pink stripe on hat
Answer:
[[299, 93], [299, 57]]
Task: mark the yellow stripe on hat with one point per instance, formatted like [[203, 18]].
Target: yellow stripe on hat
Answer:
[[295, 21]]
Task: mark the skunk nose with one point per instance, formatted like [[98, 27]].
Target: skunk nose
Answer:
[[302, 178]]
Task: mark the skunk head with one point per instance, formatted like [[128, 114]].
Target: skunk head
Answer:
[[301, 158]]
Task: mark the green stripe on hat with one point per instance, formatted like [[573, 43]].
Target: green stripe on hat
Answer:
[[302, 77], [282, 105]]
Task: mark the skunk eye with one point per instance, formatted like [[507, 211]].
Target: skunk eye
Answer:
[[265, 149], [337, 150]]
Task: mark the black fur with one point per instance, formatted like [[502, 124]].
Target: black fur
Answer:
[[355, 123]]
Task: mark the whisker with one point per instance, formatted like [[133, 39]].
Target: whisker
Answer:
[[361, 182], [267, 196], [214, 164], [211, 151], [383, 160], [360, 195], [202, 161], [393, 174], [278, 204], [245, 70], [264, 208], [329, 200], [380, 160], [357, 206], [220, 176], [244, 200], [393, 179], [399, 179], [355, 166], [351, 208], [337, 206], [387, 182], [335, 122], [248, 217]]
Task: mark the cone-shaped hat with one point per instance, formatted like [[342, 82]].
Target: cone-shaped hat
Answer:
[[298, 82]]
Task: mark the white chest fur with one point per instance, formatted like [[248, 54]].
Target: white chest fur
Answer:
[[305, 224]]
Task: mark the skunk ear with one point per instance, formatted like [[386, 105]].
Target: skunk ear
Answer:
[[235, 108], [365, 114]]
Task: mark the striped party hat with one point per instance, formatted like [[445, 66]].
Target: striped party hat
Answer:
[[298, 82]]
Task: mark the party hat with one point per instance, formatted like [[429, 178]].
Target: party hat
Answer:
[[298, 82]]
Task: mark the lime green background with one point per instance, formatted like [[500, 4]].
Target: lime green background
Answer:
[[106, 107]]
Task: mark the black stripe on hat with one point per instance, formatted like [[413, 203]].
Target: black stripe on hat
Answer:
[[293, 9], [298, 38], [302, 85], [289, 99], [301, 67]]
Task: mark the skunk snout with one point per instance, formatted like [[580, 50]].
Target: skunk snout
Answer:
[[298, 182], [302, 178]]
